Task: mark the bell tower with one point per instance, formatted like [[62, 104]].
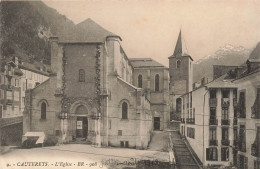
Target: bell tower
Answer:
[[180, 69]]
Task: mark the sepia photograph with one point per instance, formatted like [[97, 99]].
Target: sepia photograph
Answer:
[[130, 84]]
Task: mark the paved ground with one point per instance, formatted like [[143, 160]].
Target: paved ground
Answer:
[[72, 154], [183, 155], [159, 142]]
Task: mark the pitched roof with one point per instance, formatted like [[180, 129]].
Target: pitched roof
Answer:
[[145, 62], [180, 48], [221, 82], [87, 31]]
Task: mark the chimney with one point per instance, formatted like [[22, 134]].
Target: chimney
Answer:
[[203, 81]]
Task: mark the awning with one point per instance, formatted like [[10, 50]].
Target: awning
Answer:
[[41, 136]]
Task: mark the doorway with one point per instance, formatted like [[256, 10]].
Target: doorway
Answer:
[[156, 123], [82, 127]]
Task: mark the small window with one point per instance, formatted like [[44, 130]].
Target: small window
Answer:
[[120, 132], [178, 64], [43, 110], [57, 132], [124, 110], [81, 75], [140, 81], [157, 82]]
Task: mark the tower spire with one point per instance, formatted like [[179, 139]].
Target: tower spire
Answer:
[[178, 47]]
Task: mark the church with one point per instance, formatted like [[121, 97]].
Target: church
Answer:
[[96, 94]]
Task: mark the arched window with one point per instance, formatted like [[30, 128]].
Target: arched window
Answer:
[[140, 81], [157, 81], [81, 75], [43, 110], [124, 110], [178, 63]]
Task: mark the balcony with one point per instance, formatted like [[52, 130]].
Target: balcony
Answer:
[[225, 102], [213, 102], [255, 150], [224, 121], [213, 121], [225, 142], [213, 142], [190, 120]]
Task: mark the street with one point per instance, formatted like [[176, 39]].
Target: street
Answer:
[[81, 156]]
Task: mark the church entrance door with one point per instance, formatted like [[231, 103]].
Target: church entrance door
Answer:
[[82, 127]]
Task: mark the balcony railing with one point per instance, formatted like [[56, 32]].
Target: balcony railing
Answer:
[[213, 121], [225, 142], [224, 121], [190, 120], [213, 102], [213, 142], [225, 102], [255, 150]]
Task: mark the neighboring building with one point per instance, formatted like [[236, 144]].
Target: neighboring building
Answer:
[[10, 103], [180, 71], [248, 124], [152, 77], [207, 121], [221, 130], [33, 75], [90, 96]]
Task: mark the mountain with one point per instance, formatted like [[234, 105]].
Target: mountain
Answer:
[[26, 27], [227, 55]]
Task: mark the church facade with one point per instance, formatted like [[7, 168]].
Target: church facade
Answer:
[[93, 96]]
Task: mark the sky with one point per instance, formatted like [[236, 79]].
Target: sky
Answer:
[[149, 28]]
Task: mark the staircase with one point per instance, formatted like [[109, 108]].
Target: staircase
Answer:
[[185, 157]]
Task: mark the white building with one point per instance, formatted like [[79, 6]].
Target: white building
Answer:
[[33, 75]]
